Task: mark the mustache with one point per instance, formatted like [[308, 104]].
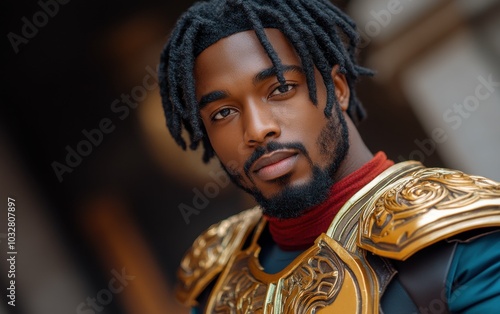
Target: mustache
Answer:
[[271, 147]]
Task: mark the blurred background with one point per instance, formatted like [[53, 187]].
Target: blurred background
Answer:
[[99, 184]]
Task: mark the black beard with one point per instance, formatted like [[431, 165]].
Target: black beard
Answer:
[[293, 201]]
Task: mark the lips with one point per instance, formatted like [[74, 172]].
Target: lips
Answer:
[[275, 165]]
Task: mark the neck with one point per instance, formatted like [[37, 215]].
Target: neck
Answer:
[[300, 233]]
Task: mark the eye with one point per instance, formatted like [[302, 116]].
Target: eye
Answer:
[[282, 90], [223, 113]]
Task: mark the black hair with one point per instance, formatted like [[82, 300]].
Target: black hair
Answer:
[[321, 33]]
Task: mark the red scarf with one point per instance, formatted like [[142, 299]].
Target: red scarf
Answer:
[[299, 233]]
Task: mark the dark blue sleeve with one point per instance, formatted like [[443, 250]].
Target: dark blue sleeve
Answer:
[[475, 276]]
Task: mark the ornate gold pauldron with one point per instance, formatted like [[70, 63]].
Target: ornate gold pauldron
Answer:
[[406, 208]]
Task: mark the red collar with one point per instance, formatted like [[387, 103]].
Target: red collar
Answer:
[[299, 233]]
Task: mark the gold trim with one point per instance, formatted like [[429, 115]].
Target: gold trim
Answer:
[[349, 213], [425, 207], [211, 252]]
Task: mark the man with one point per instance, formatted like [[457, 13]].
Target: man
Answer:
[[268, 88]]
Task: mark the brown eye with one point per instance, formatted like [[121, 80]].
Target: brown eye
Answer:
[[223, 113], [281, 90]]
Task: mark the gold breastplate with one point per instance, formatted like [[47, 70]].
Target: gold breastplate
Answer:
[[326, 278], [389, 217]]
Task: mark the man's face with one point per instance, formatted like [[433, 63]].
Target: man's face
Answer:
[[274, 142]]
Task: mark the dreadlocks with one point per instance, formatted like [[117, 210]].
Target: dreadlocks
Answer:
[[322, 35]]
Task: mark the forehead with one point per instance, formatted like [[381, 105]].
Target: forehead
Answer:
[[241, 54]]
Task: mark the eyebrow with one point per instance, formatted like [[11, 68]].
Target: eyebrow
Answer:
[[211, 97], [267, 73], [261, 76]]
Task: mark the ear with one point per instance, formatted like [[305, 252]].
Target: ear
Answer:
[[342, 91]]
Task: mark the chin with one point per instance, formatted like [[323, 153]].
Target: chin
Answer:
[[295, 199]]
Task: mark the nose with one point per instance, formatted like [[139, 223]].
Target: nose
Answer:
[[260, 123]]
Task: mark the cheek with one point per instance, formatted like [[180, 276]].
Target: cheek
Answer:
[[318, 142], [307, 121], [227, 145]]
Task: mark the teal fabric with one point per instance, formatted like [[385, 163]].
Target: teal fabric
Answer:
[[196, 310], [396, 301], [275, 259], [475, 277]]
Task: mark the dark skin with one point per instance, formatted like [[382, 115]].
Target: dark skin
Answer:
[[243, 108]]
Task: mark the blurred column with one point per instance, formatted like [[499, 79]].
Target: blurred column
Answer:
[[441, 57]]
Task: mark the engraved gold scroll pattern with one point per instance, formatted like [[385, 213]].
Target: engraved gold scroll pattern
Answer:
[[242, 293], [421, 203], [211, 251], [310, 286], [315, 284]]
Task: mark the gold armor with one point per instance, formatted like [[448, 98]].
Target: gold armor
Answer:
[[405, 209]]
